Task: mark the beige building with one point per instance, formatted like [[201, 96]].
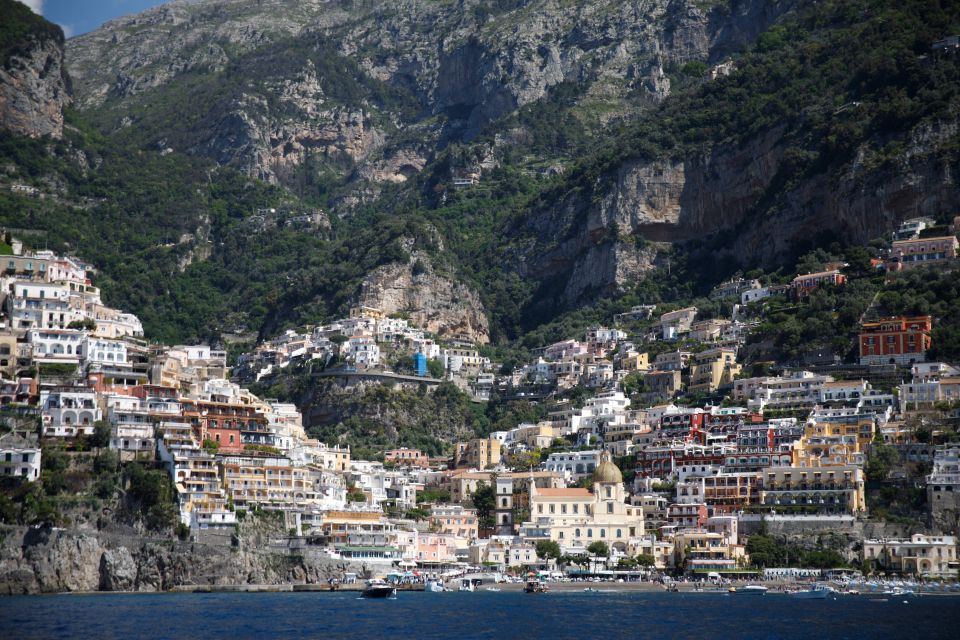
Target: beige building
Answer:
[[934, 556], [814, 489], [713, 368], [576, 517], [479, 453]]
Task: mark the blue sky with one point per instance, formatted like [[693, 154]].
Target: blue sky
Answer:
[[80, 16]]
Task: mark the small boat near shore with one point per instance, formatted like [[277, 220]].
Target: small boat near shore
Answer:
[[379, 589], [750, 589], [434, 586], [816, 592]]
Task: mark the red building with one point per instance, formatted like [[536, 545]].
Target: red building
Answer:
[[682, 426], [231, 425], [900, 340]]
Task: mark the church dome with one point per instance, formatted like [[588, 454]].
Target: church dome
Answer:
[[606, 471]]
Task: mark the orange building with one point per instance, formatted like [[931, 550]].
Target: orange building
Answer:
[[900, 340], [804, 285]]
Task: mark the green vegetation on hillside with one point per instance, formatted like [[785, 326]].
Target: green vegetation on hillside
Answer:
[[20, 27]]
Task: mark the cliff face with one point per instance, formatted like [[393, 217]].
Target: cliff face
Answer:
[[425, 71], [33, 85], [433, 301], [613, 234], [45, 560]]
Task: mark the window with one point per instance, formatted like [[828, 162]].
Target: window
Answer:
[[619, 533], [576, 533], [609, 507], [589, 533]]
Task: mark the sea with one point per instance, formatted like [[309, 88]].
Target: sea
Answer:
[[460, 616]]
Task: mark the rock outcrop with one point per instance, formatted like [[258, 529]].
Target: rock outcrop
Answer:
[[53, 560], [34, 86], [433, 301], [614, 233]]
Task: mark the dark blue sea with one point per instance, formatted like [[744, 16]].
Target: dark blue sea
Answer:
[[584, 616]]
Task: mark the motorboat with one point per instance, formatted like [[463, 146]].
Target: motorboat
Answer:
[[379, 589], [816, 592], [750, 589], [467, 585], [493, 589], [434, 586]]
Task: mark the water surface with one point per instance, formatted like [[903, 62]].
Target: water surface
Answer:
[[584, 616]]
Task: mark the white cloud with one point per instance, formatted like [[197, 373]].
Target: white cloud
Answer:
[[35, 5], [68, 30]]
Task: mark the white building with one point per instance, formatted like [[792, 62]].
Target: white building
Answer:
[[56, 346], [574, 465], [97, 351], [132, 431], [66, 412], [19, 458], [364, 351]]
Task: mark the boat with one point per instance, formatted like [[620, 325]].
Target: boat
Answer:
[[750, 589], [535, 586], [589, 590], [466, 585], [434, 586], [378, 589], [493, 589], [816, 592]]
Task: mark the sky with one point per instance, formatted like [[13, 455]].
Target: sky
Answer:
[[80, 16]]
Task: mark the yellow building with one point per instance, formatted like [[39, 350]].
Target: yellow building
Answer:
[[479, 453], [837, 442], [712, 369], [576, 517], [635, 362]]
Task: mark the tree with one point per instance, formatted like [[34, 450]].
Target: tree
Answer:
[[599, 549], [435, 368], [645, 560], [881, 459], [548, 549], [101, 434], [485, 502]]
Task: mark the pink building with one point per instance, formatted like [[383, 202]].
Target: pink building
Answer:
[[436, 548]]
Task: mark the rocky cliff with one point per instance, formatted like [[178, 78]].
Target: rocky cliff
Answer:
[[430, 299], [372, 82], [53, 560], [34, 86]]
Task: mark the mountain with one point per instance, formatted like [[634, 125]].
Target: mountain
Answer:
[[483, 166], [33, 81]]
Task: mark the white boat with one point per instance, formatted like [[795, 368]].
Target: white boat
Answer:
[[494, 589], [816, 592], [466, 585], [750, 589], [434, 586]]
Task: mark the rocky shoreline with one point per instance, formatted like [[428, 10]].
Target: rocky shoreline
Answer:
[[51, 560]]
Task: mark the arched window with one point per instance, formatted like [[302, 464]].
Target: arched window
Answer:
[[609, 492], [603, 533], [589, 533], [619, 533]]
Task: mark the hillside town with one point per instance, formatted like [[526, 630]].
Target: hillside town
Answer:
[[669, 458]]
